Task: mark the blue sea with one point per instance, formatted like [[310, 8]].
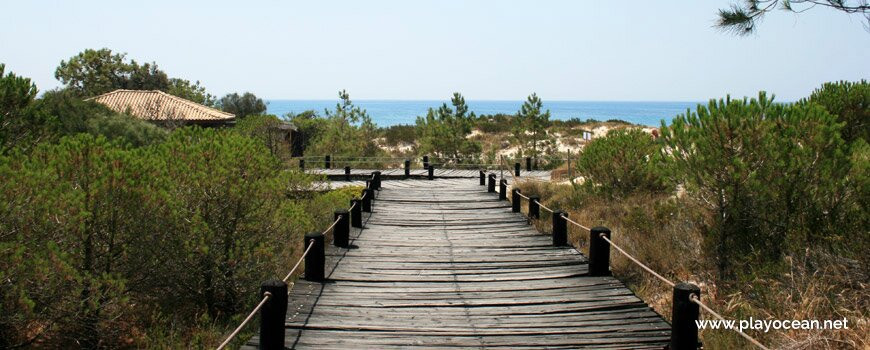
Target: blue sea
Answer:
[[393, 112]]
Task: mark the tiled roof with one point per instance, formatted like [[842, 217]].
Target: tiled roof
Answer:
[[158, 105]]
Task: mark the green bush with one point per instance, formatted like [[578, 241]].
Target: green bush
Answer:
[[850, 102], [568, 123], [347, 131], [96, 238], [400, 134], [266, 129], [774, 177], [622, 162], [309, 125], [126, 129], [77, 211], [494, 124]]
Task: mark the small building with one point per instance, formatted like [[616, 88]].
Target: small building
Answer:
[[292, 137], [163, 109]]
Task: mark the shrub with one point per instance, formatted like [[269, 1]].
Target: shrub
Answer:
[[267, 129], [309, 125], [126, 129], [347, 131], [100, 241], [773, 175], [494, 124], [400, 134], [77, 211], [850, 102], [568, 123], [621, 162]]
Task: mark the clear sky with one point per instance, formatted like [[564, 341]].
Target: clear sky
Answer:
[[427, 49]]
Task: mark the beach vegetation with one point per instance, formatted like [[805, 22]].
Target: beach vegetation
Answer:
[[621, 163], [850, 102], [444, 132], [762, 204], [102, 241], [530, 128], [346, 131]]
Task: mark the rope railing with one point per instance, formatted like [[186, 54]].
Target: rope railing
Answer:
[[502, 164], [267, 295], [544, 207], [415, 157], [302, 258], [604, 264], [342, 161], [331, 226], [656, 274], [238, 329], [752, 340], [576, 223]]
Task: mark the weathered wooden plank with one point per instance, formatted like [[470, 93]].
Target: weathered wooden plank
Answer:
[[443, 264]]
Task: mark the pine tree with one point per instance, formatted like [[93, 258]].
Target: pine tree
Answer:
[[530, 127], [444, 132]]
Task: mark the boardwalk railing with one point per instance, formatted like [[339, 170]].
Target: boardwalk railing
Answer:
[[333, 162], [686, 296], [274, 293]]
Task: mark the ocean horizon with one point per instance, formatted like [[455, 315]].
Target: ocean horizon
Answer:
[[386, 113]]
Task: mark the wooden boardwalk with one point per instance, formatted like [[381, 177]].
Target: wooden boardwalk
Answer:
[[420, 173], [443, 264]]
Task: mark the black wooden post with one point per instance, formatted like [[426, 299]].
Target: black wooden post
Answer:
[[302, 164], [517, 169], [273, 314], [327, 163], [425, 162], [528, 163], [407, 168], [347, 173], [534, 207], [367, 196], [502, 189], [431, 172], [599, 252], [560, 229], [490, 187], [482, 178], [684, 330], [515, 200], [341, 232], [377, 177], [316, 258], [356, 213]]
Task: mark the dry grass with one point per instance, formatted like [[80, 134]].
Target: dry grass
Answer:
[[666, 233]]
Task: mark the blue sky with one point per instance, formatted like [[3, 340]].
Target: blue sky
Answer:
[[426, 49]]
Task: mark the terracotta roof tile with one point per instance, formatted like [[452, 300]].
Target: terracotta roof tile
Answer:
[[158, 105]]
